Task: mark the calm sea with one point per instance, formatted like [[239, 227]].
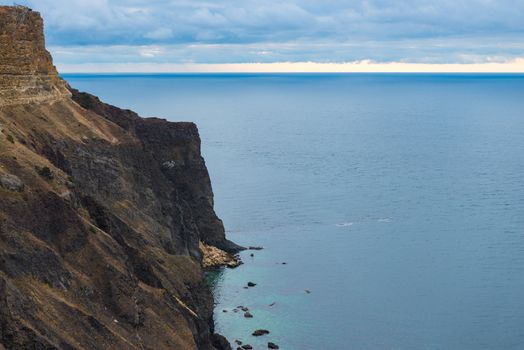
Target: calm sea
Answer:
[[397, 201]]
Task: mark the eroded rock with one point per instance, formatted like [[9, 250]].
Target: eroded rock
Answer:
[[213, 257], [11, 183]]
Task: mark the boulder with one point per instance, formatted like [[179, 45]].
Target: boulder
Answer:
[[11, 183], [220, 342], [260, 332]]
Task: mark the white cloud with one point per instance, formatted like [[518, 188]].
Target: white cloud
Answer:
[[160, 34], [430, 31]]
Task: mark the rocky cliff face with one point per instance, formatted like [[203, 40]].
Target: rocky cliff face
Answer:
[[101, 214], [27, 73]]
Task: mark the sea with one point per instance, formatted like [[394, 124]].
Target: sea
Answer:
[[390, 206]]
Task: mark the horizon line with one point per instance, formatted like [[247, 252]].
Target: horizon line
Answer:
[[510, 67]]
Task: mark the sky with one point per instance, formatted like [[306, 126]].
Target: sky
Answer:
[[292, 35]]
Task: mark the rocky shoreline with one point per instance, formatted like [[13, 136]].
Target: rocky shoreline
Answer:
[[213, 257], [242, 342]]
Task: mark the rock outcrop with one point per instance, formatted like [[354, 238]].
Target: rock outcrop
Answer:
[[213, 257], [101, 214], [27, 73]]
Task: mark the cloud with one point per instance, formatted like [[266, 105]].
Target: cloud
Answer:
[[159, 34], [235, 31], [150, 51]]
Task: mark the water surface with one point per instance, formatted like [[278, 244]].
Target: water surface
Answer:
[[396, 200]]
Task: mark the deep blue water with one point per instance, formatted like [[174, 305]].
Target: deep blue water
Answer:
[[397, 200]]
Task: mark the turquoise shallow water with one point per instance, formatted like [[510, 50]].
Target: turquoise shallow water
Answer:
[[397, 200]]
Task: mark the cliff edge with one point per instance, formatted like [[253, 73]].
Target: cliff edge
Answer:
[[101, 214]]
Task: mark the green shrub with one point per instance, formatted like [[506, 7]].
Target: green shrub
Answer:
[[46, 173], [10, 138], [92, 230]]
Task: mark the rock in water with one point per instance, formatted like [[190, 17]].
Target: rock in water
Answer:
[[260, 332], [251, 284], [271, 345], [220, 342]]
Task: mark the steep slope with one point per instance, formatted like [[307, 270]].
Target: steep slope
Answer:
[[101, 214]]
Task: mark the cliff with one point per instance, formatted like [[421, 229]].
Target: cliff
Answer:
[[27, 73], [101, 214]]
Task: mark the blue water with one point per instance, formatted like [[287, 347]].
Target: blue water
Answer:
[[396, 200]]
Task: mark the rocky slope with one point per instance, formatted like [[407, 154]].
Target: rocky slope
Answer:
[[101, 214]]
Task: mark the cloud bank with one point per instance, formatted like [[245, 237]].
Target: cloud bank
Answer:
[[185, 33]]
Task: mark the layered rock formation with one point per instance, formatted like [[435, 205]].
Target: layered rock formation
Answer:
[[27, 73], [101, 214]]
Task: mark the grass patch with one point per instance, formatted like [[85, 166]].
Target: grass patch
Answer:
[[45, 172]]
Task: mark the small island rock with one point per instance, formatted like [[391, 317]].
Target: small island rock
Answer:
[[260, 332]]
